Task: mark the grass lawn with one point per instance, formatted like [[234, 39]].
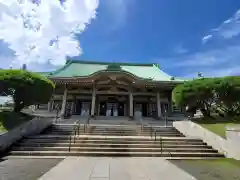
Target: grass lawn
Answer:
[[217, 125], [9, 120], [219, 169]]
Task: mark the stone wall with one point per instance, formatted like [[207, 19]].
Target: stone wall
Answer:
[[226, 146], [233, 138], [35, 126]]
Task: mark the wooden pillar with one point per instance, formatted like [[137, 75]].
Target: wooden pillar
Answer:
[[49, 106], [131, 105], [93, 101], [52, 107], [64, 101], [159, 112]]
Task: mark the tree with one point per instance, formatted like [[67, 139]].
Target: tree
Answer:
[[227, 91], [195, 94], [208, 94], [26, 88]]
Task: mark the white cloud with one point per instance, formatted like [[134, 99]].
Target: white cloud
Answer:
[[180, 49], [215, 72], [213, 57], [206, 38], [44, 32], [213, 62], [228, 29], [118, 11]]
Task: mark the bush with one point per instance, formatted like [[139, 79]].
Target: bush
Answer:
[[25, 87], [236, 118]]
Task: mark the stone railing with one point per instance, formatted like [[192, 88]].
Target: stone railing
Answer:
[[228, 146], [35, 126]]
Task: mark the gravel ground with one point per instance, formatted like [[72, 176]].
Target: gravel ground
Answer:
[[25, 169]]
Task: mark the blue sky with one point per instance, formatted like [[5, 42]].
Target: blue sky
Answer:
[[184, 37]]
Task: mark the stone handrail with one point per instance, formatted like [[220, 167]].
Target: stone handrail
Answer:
[[35, 126]]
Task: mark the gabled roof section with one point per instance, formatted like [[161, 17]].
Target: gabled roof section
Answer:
[[76, 68]]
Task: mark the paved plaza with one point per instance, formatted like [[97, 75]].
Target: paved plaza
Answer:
[[25, 169], [96, 168]]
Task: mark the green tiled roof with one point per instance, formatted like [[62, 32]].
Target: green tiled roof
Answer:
[[44, 73], [87, 68]]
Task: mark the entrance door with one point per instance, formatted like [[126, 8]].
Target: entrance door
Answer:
[[164, 108], [78, 107], [103, 108], [112, 109], [120, 109], [144, 109], [85, 110]]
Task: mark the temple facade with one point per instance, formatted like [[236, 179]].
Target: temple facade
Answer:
[[88, 88]]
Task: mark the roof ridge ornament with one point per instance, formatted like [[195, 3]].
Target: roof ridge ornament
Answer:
[[114, 67]]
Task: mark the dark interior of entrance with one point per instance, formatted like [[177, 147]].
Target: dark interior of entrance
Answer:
[[80, 104], [111, 106]]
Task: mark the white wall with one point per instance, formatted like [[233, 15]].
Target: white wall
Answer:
[[35, 126], [228, 147]]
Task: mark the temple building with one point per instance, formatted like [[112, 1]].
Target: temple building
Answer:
[[88, 88]]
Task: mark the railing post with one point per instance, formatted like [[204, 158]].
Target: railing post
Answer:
[[74, 134], [161, 144], [70, 139]]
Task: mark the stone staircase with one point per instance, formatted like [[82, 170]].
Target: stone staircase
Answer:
[[112, 140], [116, 130]]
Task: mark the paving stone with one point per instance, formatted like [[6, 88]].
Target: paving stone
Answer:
[[127, 168], [25, 169], [101, 168], [71, 168]]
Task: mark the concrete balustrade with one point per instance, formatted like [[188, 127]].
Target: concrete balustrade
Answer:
[[35, 126], [230, 146]]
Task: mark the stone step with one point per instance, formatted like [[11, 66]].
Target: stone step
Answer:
[[63, 157], [118, 133], [113, 149], [114, 154], [109, 141], [94, 130], [125, 138], [87, 144], [112, 130]]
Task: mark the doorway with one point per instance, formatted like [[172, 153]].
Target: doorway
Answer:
[[120, 109], [112, 109], [144, 110], [78, 107], [103, 109]]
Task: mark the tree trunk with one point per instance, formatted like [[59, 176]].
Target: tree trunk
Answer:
[[205, 112], [18, 107]]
